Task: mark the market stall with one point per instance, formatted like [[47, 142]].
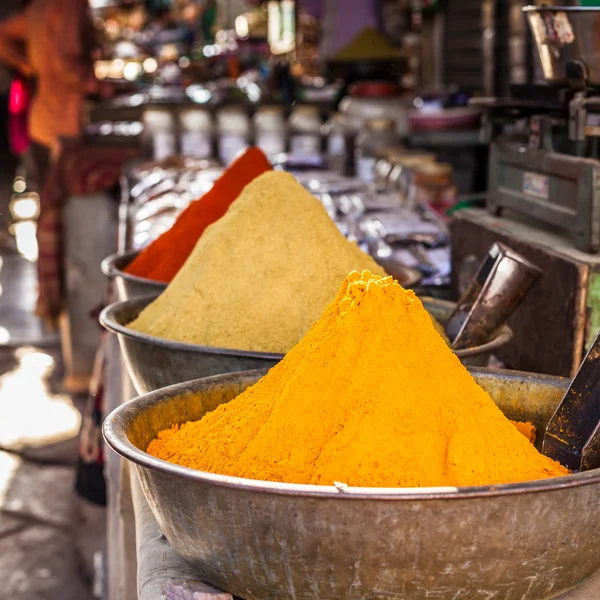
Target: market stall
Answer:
[[301, 327], [362, 212]]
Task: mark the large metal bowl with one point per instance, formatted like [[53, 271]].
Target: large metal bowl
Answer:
[[566, 40], [129, 286], [154, 363], [258, 540]]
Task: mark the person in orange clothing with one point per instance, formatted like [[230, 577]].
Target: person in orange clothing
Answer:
[[52, 41]]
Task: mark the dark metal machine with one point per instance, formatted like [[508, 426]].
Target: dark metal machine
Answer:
[[545, 138]]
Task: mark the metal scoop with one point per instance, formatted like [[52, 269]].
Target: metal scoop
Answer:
[[573, 433], [501, 283]]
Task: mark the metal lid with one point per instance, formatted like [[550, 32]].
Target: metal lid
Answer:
[[380, 124]]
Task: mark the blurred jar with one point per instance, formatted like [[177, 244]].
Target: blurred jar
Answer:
[[376, 135], [196, 127], [432, 183], [160, 138], [340, 144], [305, 131], [400, 177], [384, 165], [234, 130], [270, 130], [376, 100]]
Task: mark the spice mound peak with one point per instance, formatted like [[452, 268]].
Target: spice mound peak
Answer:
[[372, 396], [259, 277]]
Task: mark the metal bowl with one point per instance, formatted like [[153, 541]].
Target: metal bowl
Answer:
[[257, 540], [477, 356], [129, 286], [407, 277], [154, 363], [566, 41]]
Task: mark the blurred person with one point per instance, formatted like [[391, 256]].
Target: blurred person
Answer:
[[52, 41], [8, 161]]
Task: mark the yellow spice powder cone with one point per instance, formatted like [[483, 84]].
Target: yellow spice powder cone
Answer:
[[373, 397], [259, 277]]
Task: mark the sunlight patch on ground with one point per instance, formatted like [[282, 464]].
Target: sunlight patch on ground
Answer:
[[26, 239], [29, 414]]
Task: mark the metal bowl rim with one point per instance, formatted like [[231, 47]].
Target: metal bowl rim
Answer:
[[110, 323], [110, 270], [114, 433], [532, 8], [502, 336], [107, 321]]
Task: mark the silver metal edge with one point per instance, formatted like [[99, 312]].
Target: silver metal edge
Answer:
[[560, 9], [110, 270], [108, 322]]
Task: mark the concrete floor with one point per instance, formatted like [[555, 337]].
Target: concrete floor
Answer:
[[47, 534]]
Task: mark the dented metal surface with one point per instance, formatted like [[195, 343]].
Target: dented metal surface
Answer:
[[258, 540]]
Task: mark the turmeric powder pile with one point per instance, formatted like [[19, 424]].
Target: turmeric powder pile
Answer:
[[259, 277], [373, 397]]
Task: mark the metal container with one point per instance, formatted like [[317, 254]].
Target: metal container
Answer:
[[257, 539], [375, 136], [129, 286], [566, 39], [154, 363], [477, 356]]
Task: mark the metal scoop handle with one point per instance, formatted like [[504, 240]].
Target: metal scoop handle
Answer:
[[573, 433], [501, 283]]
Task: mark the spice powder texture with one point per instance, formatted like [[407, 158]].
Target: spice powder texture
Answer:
[[162, 259], [372, 396], [261, 276]]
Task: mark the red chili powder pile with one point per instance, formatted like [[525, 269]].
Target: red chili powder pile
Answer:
[[162, 259]]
